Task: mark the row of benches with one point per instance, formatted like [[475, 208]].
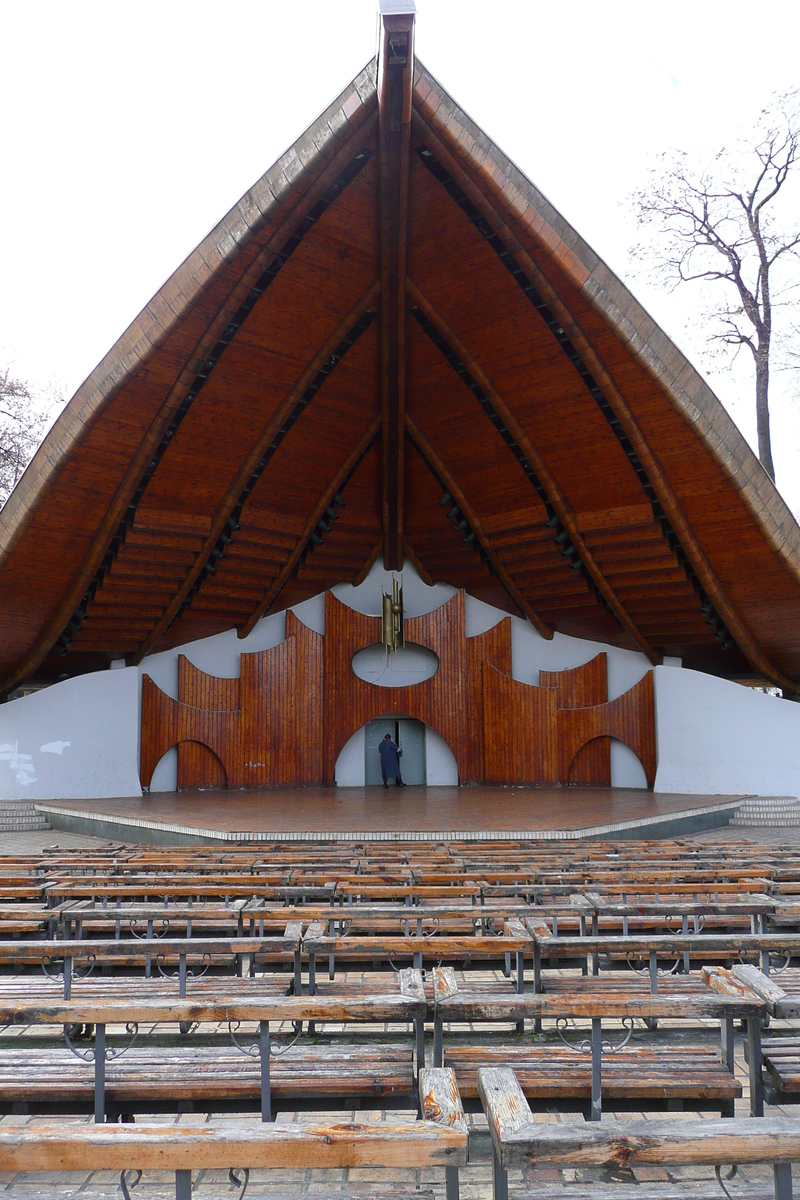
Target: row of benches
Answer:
[[439, 1139]]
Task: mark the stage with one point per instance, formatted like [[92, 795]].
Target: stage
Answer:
[[376, 814]]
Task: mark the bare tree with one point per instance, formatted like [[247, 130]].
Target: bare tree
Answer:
[[22, 423], [733, 227]]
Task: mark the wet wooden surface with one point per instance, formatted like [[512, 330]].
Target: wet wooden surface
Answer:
[[412, 809]]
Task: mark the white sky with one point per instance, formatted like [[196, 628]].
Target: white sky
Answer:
[[129, 128]]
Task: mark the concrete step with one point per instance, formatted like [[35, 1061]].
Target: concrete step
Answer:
[[764, 811], [17, 816]]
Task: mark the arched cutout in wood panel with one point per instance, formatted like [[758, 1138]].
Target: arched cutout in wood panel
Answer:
[[199, 767], [585, 686], [631, 719]]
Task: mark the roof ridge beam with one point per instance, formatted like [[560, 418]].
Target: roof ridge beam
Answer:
[[395, 93]]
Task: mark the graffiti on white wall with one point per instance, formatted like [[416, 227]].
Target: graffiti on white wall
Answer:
[[20, 765]]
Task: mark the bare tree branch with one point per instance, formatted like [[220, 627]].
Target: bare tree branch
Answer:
[[720, 227], [23, 418]]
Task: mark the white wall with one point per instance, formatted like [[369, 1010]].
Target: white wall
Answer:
[[74, 740], [407, 666], [441, 769], [350, 769], [717, 737]]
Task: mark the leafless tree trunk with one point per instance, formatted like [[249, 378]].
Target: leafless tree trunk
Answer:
[[712, 227]]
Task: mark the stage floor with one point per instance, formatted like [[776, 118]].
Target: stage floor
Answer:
[[392, 814]]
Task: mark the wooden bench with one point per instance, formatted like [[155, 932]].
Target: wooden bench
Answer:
[[588, 1069], [702, 946], [439, 1139], [208, 1072], [519, 1142]]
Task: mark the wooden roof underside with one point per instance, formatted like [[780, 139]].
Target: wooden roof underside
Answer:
[[393, 345]]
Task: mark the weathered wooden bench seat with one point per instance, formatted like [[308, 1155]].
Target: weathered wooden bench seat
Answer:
[[439, 1139], [203, 1068], [210, 1075], [603, 1066], [518, 1141], [635, 1077]]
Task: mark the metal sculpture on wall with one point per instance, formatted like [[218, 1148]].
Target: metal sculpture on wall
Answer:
[[286, 719]]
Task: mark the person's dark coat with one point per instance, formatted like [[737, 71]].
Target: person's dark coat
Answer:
[[390, 759]]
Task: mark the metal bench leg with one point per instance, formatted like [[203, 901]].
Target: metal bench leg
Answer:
[[438, 1042], [266, 1087], [537, 981], [726, 1033], [754, 1055], [783, 1181], [419, 1023], [499, 1179], [68, 978], [99, 1074], [183, 1185], [520, 984], [451, 1183], [597, 1068], [595, 955]]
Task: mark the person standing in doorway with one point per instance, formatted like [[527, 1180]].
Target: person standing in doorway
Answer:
[[390, 754]]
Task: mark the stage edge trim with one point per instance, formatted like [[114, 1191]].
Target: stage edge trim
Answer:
[[709, 816]]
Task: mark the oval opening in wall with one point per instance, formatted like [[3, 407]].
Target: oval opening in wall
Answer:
[[407, 666]]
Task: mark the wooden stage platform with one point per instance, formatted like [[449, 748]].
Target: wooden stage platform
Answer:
[[392, 814]]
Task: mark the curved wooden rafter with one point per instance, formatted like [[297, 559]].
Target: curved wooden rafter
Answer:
[[337, 482], [554, 493], [448, 481], [260, 447]]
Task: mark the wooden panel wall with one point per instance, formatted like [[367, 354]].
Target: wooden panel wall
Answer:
[[286, 719], [260, 729], [167, 722], [584, 687], [519, 730], [198, 766], [440, 701], [631, 718], [493, 646]]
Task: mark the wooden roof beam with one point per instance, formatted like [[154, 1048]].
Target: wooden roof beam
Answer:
[[547, 480], [395, 89], [337, 481], [259, 449], [437, 466]]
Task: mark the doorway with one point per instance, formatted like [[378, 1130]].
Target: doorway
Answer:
[[409, 735]]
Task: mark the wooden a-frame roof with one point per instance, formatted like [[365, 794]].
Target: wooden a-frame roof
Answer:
[[393, 346]]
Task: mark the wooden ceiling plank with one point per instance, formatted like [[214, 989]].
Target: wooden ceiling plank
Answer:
[[395, 90], [246, 469], [429, 455], [554, 493], [336, 482]]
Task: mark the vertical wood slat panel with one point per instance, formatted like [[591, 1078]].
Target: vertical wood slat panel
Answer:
[[167, 722], [585, 686], [440, 701], [493, 646], [520, 743], [198, 766], [631, 718]]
